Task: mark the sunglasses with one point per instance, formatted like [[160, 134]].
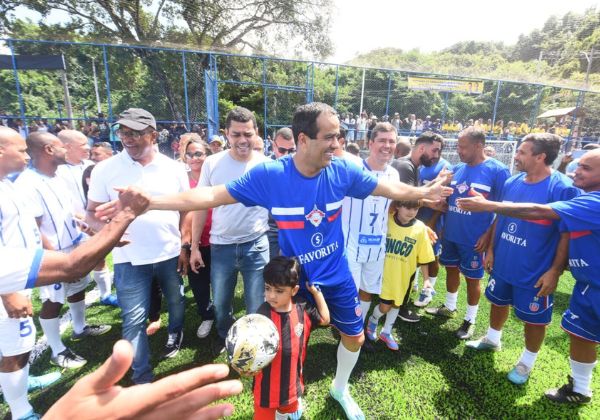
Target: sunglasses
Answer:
[[131, 134], [194, 155], [285, 151]]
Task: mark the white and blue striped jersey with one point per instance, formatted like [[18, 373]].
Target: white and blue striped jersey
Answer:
[[365, 221], [48, 198], [72, 176]]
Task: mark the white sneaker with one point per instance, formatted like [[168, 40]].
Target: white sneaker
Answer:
[[204, 328], [425, 297]]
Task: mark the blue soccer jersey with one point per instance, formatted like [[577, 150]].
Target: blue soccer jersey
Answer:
[[307, 211], [525, 249], [426, 174], [581, 218], [464, 227]]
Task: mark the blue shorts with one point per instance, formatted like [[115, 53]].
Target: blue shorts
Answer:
[[344, 306], [437, 248], [528, 307], [582, 318], [469, 262]]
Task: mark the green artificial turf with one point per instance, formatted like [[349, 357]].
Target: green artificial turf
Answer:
[[432, 376]]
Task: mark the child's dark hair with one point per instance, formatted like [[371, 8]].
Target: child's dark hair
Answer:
[[409, 204], [282, 271]]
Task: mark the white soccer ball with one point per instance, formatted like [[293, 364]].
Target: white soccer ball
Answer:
[[252, 343]]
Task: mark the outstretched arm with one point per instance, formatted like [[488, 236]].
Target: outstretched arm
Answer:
[[517, 210], [434, 191]]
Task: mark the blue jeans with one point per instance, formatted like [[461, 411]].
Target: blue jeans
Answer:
[[248, 258], [133, 284]]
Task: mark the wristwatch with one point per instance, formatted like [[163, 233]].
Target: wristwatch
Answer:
[[187, 246]]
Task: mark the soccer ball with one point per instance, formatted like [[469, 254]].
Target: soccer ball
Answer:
[[252, 343]]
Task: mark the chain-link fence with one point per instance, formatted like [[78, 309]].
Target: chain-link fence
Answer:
[[190, 90]]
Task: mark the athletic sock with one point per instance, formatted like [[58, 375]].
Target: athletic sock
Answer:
[[346, 360], [451, 299], [390, 318], [471, 314], [582, 376], [528, 358], [14, 387], [103, 279], [432, 280], [494, 335], [51, 328], [365, 306], [78, 315], [376, 314]]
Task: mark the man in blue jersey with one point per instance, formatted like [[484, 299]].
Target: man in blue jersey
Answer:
[[466, 235], [526, 257], [580, 217], [304, 193]]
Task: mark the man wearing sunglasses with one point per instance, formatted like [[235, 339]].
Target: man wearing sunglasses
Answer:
[[283, 143], [155, 248]]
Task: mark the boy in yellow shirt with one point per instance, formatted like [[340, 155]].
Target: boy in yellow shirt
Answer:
[[407, 245]]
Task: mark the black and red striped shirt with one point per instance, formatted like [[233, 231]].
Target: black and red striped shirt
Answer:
[[281, 383]]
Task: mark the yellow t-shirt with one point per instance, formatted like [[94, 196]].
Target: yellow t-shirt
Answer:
[[406, 246]]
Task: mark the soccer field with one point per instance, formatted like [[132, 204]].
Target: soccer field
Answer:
[[432, 376]]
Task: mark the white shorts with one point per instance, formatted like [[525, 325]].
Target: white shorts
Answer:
[[59, 292], [367, 276], [18, 336]]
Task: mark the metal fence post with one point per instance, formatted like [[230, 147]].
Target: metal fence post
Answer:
[[536, 106], [18, 86], [445, 109], [578, 105], [337, 78], [496, 104], [387, 99], [107, 78], [185, 92], [264, 81]]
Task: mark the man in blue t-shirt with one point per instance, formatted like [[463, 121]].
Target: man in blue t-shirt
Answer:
[[304, 194], [467, 235], [526, 257], [580, 217]]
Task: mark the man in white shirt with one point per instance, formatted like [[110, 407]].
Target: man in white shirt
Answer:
[[238, 240], [155, 250]]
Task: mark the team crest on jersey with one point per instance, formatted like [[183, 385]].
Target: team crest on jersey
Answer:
[[298, 329], [462, 188], [358, 310], [534, 306], [491, 284], [315, 216], [475, 262]]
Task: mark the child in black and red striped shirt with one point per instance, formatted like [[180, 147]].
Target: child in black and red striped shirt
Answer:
[[278, 387]]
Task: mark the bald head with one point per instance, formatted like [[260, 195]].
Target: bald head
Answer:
[[13, 152], [37, 141], [8, 135], [76, 143], [587, 174], [71, 136], [403, 147]]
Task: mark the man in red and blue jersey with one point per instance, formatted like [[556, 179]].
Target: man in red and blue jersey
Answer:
[[526, 257], [304, 194], [466, 235], [580, 217]]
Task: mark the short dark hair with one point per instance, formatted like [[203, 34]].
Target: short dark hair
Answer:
[[305, 118], [285, 132], [429, 137], [353, 148], [475, 135], [382, 127], [240, 114], [343, 133], [282, 271], [547, 143], [409, 204]]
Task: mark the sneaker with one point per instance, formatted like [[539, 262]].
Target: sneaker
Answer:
[[466, 330], [425, 297], [91, 331], [407, 315], [519, 374], [389, 340], [204, 328], [441, 310], [296, 415], [351, 409], [68, 360], [173, 345], [40, 382], [30, 416], [565, 394], [483, 344], [110, 300], [371, 331]]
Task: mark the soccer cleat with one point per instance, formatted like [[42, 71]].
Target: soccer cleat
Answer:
[[407, 315], [371, 332], [565, 394], [519, 374], [173, 345], [466, 330], [110, 300], [389, 341], [204, 328], [30, 416], [68, 360], [351, 409], [91, 331], [483, 344], [441, 310], [425, 297], [296, 415], [40, 382]]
